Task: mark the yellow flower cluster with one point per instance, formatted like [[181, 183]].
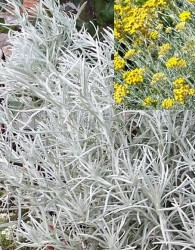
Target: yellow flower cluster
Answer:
[[179, 82], [130, 19], [133, 77], [149, 101], [180, 26], [185, 16], [118, 26], [153, 35], [157, 77], [156, 34], [159, 26], [168, 103], [134, 19], [130, 53], [168, 30], [119, 63], [182, 91], [176, 62], [164, 49], [155, 4], [120, 91]]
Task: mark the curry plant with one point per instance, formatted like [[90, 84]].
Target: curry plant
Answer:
[[76, 172], [55, 108]]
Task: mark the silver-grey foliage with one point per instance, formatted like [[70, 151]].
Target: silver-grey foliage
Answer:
[[82, 175]]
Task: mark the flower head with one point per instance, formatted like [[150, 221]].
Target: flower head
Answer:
[[133, 77], [153, 35], [157, 77], [120, 91], [164, 49], [129, 53], [149, 101], [181, 26], [168, 30], [184, 16], [182, 93], [168, 103], [119, 63], [159, 26], [155, 4], [176, 62], [179, 82]]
